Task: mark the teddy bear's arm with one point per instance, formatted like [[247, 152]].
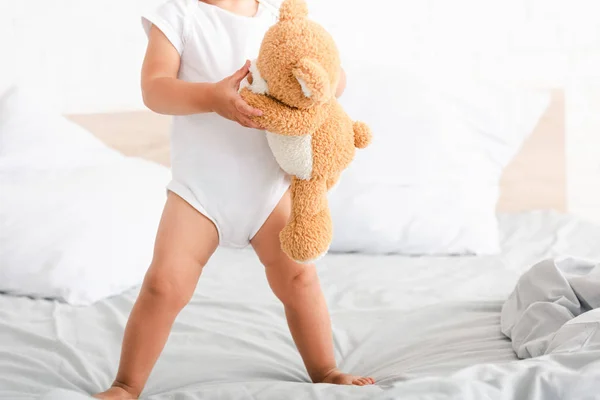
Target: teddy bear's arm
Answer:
[[281, 119]]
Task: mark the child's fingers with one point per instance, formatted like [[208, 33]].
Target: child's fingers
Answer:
[[241, 73], [247, 122], [245, 109]]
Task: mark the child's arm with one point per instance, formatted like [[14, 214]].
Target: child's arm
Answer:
[[165, 94]]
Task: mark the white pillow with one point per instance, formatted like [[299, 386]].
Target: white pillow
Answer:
[[429, 182], [77, 219]]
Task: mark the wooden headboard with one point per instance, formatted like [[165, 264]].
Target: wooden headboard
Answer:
[[536, 179]]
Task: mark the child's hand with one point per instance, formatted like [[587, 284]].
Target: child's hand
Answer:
[[229, 104]]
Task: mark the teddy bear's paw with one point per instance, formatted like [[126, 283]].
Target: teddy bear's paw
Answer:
[[314, 260], [308, 240], [303, 256], [362, 135]]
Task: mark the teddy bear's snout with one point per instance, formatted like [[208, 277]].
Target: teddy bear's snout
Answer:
[[257, 84]]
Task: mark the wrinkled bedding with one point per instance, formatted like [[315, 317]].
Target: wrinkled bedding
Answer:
[[553, 320], [426, 327], [555, 308]]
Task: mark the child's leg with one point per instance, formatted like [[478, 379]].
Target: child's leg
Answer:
[[184, 243], [298, 288]]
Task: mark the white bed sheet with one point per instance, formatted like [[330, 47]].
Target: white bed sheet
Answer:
[[395, 318]]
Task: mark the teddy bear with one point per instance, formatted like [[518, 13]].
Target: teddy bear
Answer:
[[293, 82]]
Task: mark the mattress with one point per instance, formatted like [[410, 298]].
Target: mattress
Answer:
[[394, 318]]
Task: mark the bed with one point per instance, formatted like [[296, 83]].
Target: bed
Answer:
[[398, 319]]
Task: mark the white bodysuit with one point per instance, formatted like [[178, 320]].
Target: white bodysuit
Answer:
[[225, 171]]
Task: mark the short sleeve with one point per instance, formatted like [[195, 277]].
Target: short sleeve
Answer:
[[272, 5], [170, 18]]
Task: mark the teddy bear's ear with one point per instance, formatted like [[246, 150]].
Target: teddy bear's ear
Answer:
[[291, 9], [313, 80]]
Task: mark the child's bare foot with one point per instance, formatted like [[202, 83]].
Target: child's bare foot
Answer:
[[115, 393], [337, 377]]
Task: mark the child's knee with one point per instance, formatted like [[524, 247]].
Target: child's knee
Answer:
[[170, 292], [293, 286], [305, 278]]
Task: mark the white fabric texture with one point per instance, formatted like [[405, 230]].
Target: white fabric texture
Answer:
[[559, 376], [225, 171], [77, 219], [551, 315], [555, 308], [429, 182], [399, 319]]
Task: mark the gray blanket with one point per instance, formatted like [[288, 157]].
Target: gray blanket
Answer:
[[555, 308], [553, 320]]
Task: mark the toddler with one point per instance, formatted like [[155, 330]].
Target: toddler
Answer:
[[227, 188]]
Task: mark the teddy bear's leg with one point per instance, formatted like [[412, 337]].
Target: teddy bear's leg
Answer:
[[309, 232], [332, 181], [362, 134]]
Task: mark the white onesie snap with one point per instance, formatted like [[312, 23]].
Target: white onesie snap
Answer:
[[225, 171]]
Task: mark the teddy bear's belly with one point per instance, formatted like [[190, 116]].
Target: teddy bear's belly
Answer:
[[293, 153]]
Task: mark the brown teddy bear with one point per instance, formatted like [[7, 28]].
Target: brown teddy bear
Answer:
[[293, 83]]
